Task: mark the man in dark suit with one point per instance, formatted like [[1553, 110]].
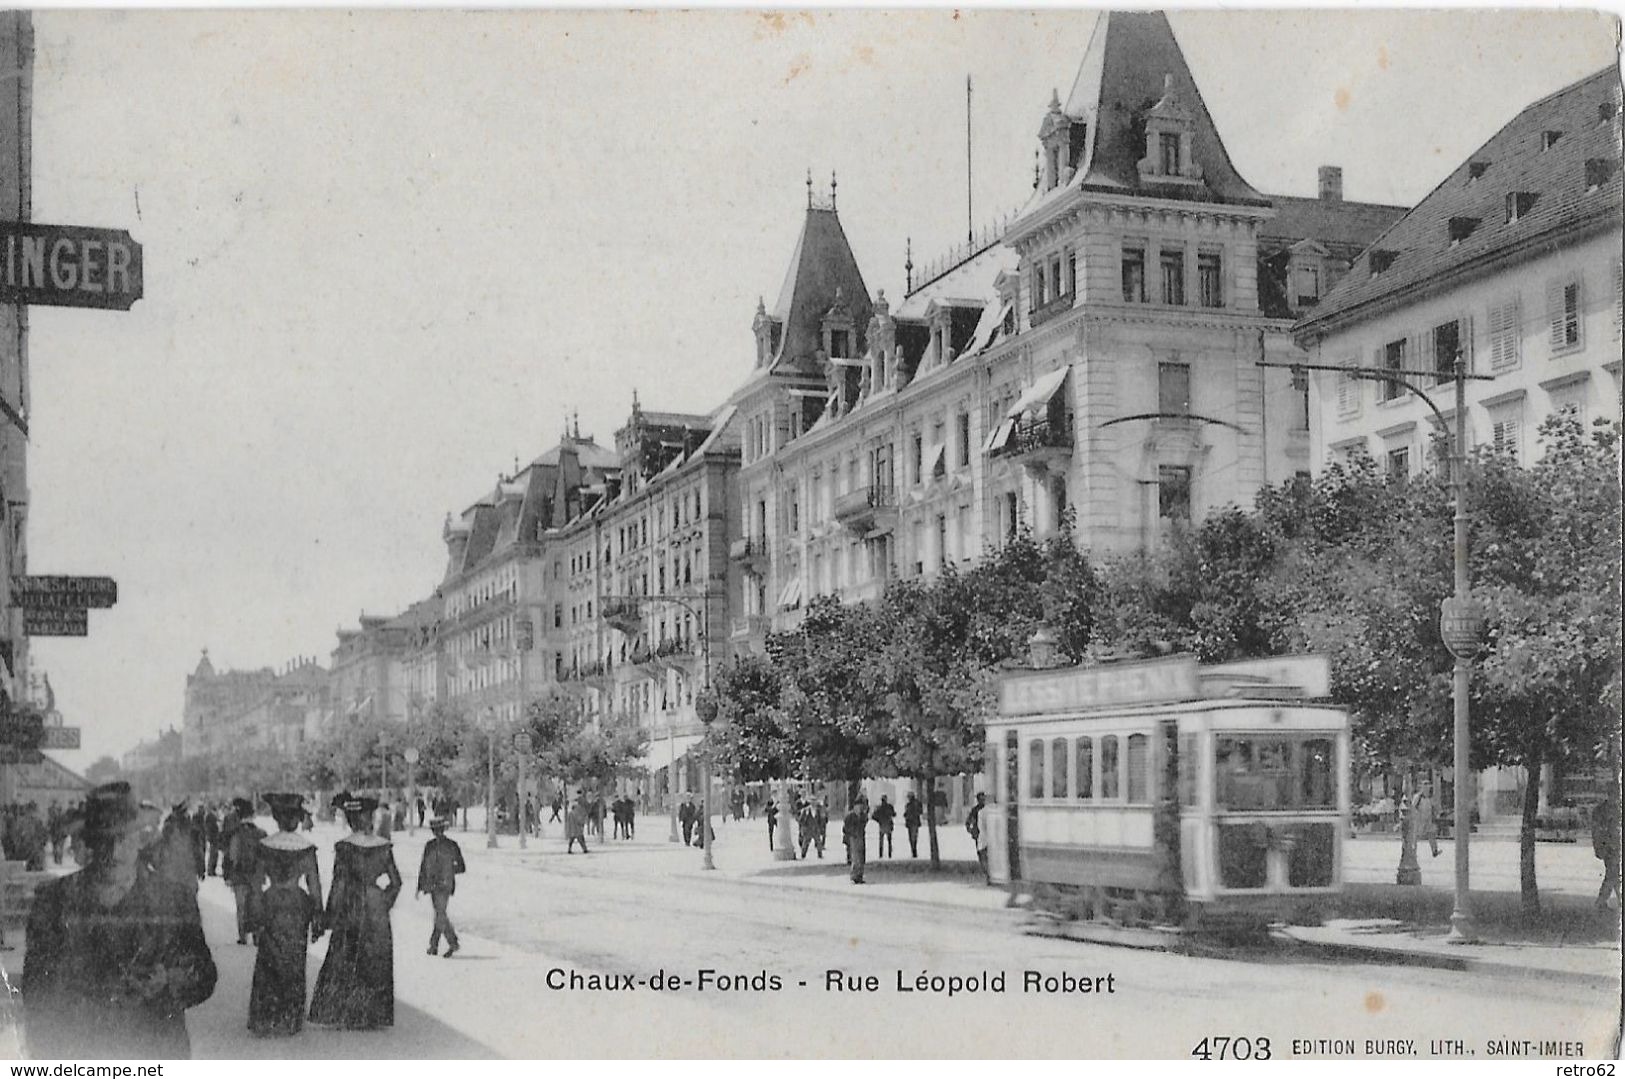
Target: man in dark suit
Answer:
[[854, 829], [686, 815], [116, 953], [437, 875]]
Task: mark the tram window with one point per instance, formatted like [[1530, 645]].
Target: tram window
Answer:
[[1108, 766], [1058, 769], [1137, 790], [1274, 773], [1318, 788], [1035, 769], [1086, 768]]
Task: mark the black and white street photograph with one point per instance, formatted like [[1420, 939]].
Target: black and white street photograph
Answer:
[[856, 534]]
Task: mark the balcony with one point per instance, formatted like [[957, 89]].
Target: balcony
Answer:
[[751, 551], [674, 652], [1058, 305], [1040, 444], [862, 509], [625, 615]]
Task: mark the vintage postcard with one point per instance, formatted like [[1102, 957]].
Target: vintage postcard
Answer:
[[849, 534]]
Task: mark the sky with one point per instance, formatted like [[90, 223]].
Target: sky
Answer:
[[386, 253]]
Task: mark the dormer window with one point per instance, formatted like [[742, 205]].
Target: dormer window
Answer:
[[1169, 127], [1476, 169], [840, 344], [1548, 139], [1519, 203], [1599, 170], [1461, 228], [1381, 261]]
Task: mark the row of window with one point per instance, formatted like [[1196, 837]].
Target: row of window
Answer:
[[1171, 263], [1069, 768]]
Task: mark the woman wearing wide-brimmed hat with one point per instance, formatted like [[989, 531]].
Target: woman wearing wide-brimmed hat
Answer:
[[116, 953], [287, 918], [356, 988]]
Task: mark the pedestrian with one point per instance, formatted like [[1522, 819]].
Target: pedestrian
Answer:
[[821, 828], [356, 987], [558, 804], [242, 864], [772, 822], [530, 816], [422, 809], [973, 825], [1605, 844], [381, 820], [753, 802], [437, 875], [55, 826], [686, 815], [1426, 816], [736, 804], [200, 843], [172, 854], [807, 825], [32, 838], [854, 831], [631, 817], [115, 955], [575, 825], [885, 816], [287, 920], [913, 811], [211, 838], [595, 813]]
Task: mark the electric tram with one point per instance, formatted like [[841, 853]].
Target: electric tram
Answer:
[[1167, 793]]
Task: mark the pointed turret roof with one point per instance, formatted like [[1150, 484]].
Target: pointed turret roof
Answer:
[[1132, 66], [822, 265]]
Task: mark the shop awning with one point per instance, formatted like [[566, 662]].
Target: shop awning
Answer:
[[1039, 393], [790, 594], [661, 748], [1000, 436]]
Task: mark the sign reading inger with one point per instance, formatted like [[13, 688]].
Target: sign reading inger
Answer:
[[68, 266]]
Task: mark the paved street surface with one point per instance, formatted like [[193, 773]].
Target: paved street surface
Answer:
[[642, 908]]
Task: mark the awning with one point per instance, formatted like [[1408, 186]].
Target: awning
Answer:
[[1039, 393], [993, 316], [820, 394], [790, 594], [878, 531], [934, 460], [661, 748], [1000, 436]]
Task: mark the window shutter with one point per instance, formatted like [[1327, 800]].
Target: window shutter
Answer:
[[1506, 332], [1554, 314], [1422, 349]]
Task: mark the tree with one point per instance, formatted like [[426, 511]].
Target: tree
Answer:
[[751, 733], [1547, 546], [568, 745], [103, 770]]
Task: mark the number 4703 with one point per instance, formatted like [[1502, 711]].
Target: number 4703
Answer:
[[1226, 1048]]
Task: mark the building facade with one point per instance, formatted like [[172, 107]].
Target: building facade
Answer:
[[388, 668], [1513, 262]]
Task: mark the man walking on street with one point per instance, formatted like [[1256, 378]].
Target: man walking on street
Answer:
[[854, 830], [772, 822], [1605, 842], [1427, 817], [807, 824], [885, 816], [685, 817], [437, 875], [243, 865], [973, 825], [575, 825], [912, 812]]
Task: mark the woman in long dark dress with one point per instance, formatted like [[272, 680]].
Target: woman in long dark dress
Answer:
[[356, 988], [288, 916]]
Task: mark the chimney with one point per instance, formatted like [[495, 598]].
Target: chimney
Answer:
[[1331, 183]]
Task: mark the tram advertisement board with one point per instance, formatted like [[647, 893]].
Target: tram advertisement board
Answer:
[[1075, 688]]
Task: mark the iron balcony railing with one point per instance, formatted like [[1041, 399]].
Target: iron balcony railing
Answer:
[[865, 500], [1044, 434]]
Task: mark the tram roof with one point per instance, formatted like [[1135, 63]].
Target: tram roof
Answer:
[[1163, 683]]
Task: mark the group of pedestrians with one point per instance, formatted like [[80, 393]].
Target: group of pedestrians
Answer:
[[117, 954]]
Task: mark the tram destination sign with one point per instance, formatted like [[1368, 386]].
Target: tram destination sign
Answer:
[[1079, 688], [68, 266], [63, 593]]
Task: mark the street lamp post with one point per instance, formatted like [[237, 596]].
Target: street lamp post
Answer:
[[1461, 624], [491, 781], [671, 772], [522, 746], [411, 756]]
